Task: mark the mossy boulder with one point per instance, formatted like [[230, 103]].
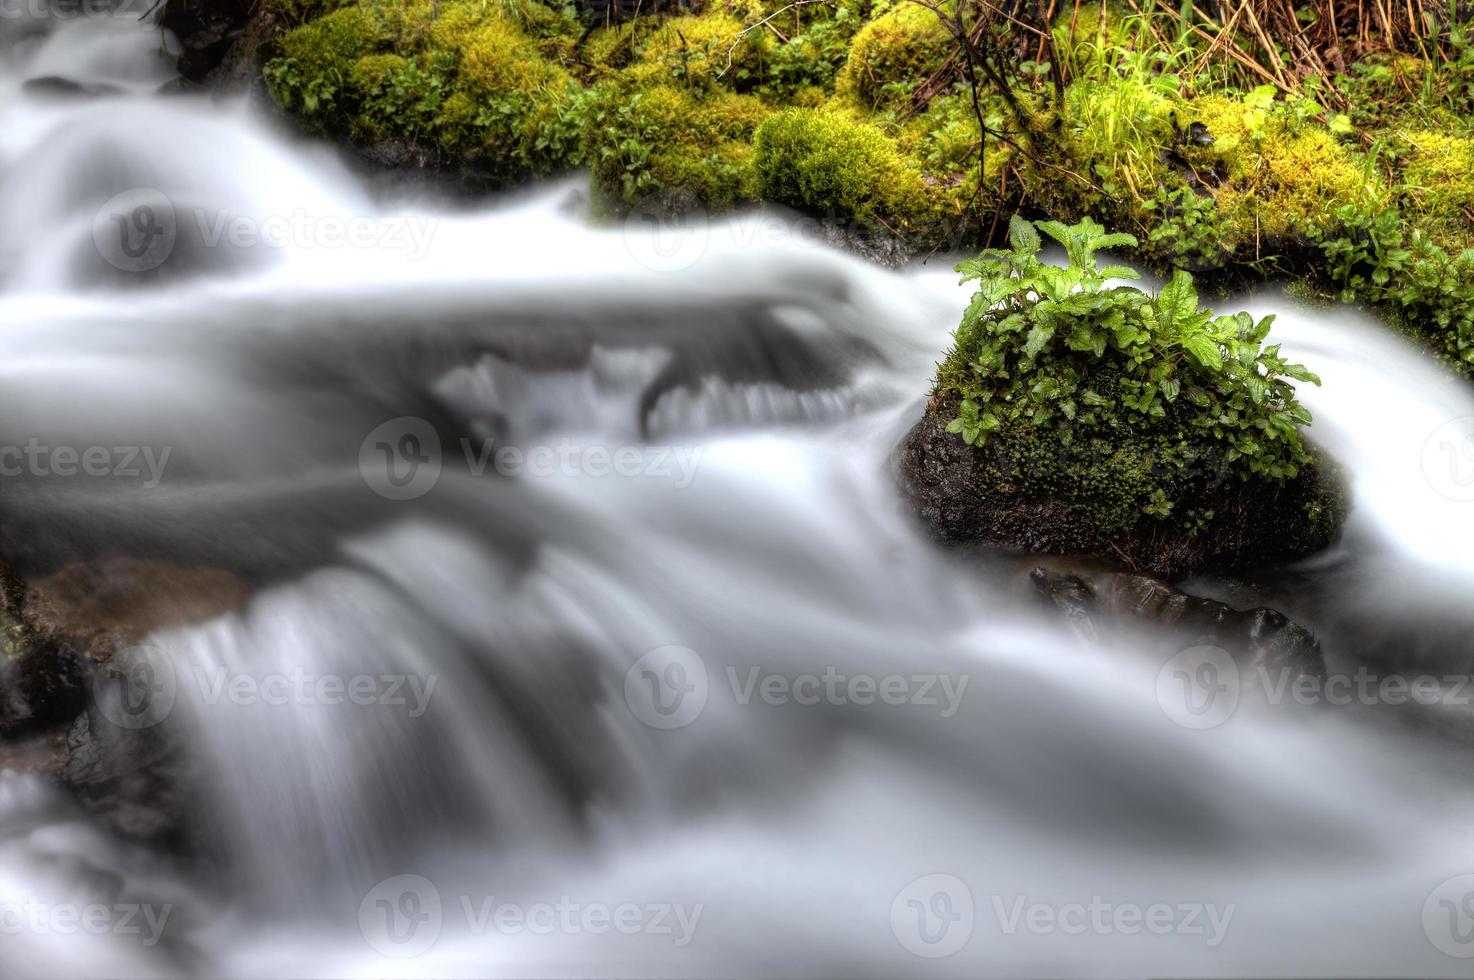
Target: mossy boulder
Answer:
[[1034, 496], [1076, 417], [891, 55]]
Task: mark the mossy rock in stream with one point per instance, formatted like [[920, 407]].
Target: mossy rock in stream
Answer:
[[1042, 498], [1075, 416]]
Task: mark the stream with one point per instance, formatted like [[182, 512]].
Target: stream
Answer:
[[588, 633]]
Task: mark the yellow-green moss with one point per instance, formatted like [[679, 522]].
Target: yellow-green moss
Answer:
[[496, 57], [609, 49], [1437, 184], [1276, 179], [828, 163], [371, 72], [705, 48], [334, 42], [891, 54], [311, 70], [644, 140]]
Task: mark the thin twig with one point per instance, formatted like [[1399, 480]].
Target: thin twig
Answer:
[[752, 27]]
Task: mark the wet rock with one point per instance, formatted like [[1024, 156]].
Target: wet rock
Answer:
[[974, 496], [68, 628], [40, 684], [136, 781], [56, 87], [1102, 602], [103, 606], [206, 30]]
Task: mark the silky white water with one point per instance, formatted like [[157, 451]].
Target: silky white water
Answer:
[[757, 384]]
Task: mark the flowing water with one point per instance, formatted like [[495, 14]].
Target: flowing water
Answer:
[[577, 772]]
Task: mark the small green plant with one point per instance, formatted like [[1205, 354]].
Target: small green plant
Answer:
[[1062, 350]]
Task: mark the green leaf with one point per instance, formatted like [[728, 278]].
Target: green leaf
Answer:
[[1204, 350], [1039, 336], [1022, 236], [1261, 97]]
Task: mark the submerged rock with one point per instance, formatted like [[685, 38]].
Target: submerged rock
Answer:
[[1102, 602]]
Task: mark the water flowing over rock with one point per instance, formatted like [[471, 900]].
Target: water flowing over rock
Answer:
[[705, 442]]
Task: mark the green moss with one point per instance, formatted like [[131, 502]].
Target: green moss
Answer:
[[372, 73], [608, 49], [1108, 419], [706, 49], [311, 71], [891, 55], [1275, 179], [1436, 173], [497, 58], [827, 163], [645, 139]]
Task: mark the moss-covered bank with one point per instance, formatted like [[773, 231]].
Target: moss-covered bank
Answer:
[[847, 110]]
